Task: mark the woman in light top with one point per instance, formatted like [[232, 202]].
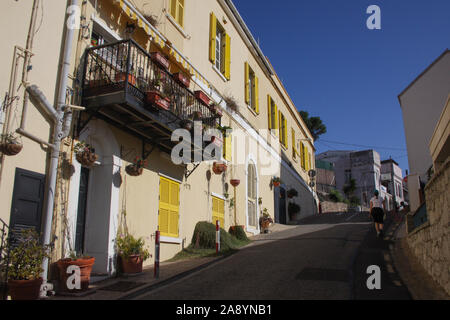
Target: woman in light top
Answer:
[[377, 208]]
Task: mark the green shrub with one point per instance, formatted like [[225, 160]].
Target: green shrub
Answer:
[[206, 234], [238, 232], [336, 196]]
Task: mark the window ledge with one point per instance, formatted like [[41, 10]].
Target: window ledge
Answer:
[[252, 111], [219, 73], [170, 240], [177, 26]]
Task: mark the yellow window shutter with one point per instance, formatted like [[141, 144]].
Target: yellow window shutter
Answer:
[[227, 64], [173, 8], [218, 211], [227, 147], [285, 140], [180, 17], [212, 37], [302, 154], [280, 126], [307, 158], [275, 125], [269, 111], [294, 153], [247, 87], [169, 203], [256, 95]]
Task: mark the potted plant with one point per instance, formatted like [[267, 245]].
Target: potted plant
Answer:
[[122, 77], [265, 220], [197, 116], [276, 181], [10, 145], [25, 266], [293, 210], [182, 79], [219, 168], [202, 97], [292, 193], [235, 182], [160, 59], [132, 253], [216, 110], [137, 168], [85, 263], [155, 96], [85, 154]]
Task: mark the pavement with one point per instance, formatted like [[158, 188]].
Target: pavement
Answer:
[[361, 249]]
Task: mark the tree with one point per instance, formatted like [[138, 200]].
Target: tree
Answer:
[[314, 124]]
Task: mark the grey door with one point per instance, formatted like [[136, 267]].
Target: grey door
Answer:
[[81, 215], [27, 201]]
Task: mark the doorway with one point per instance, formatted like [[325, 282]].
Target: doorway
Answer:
[[81, 213]]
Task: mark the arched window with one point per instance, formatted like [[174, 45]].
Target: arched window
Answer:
[[252, 196]]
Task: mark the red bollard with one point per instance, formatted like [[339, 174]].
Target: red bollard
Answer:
[[157, 248], [217, 236]]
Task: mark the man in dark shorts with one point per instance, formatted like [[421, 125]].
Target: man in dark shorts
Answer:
[[377, 208]]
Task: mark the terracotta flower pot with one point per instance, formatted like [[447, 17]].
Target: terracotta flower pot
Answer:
[[155, 98], [132, 264], [122, 76], [25, 289], [10, 149], [133, 170], [219, 168], [235, 182], [276, 183], [160, 59], [182, 79], [85, 265], [202, 97]]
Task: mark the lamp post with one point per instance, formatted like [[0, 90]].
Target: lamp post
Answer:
[[235, 183]]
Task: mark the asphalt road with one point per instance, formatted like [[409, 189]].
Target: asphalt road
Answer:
[[326, 257]]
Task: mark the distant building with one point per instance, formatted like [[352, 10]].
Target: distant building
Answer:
[[422, 103], [392, 179], [362, 166], [326, 178]]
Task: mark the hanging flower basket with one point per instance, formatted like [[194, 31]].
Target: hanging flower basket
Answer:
[[202, 97], [292, 193], [137, 168], [235, 182], [9, 145], [219, 168], [85, 154], [276, 182], [156, 98]]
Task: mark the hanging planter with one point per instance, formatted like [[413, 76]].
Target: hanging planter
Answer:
[[160, 59], [85, 154], [235, 182], [182, 79], [10, 145], [137, 168], [157, 98], [292, 193], [202, 97], [276, 181], [219, 168]]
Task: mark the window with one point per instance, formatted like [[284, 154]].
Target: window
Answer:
[[219, 47], [169, 207], [303, 155], [177, 11], [283, 129], [251, 196], [294, 145], [251, 88], [272, 113], [218, 211]]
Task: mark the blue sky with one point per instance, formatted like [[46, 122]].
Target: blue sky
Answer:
[[334, 67]]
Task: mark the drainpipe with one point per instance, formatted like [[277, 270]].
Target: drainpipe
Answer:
[[58, 135]]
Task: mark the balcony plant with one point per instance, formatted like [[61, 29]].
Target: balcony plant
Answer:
[[276, 181], [136, 168], [216, 110], [155, 96], [132, 253], [182, 79], [160, 59], [85, 263], [292, 193], [122, 77], [219, 168], [25, 266], [85, 154], [202, 97], [10, 144], [231, 103]]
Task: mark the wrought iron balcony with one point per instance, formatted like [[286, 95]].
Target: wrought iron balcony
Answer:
[[125, 85]]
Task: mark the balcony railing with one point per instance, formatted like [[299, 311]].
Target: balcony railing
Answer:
[[121, 81]]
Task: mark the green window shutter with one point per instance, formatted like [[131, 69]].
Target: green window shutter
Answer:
[[212, 37]]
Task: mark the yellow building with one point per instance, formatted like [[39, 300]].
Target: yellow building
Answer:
[[143, 70]]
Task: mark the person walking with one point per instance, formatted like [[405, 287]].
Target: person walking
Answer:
[[377, 207]]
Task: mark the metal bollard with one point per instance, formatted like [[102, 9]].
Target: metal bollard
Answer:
[[217, 236], [157, 249]]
